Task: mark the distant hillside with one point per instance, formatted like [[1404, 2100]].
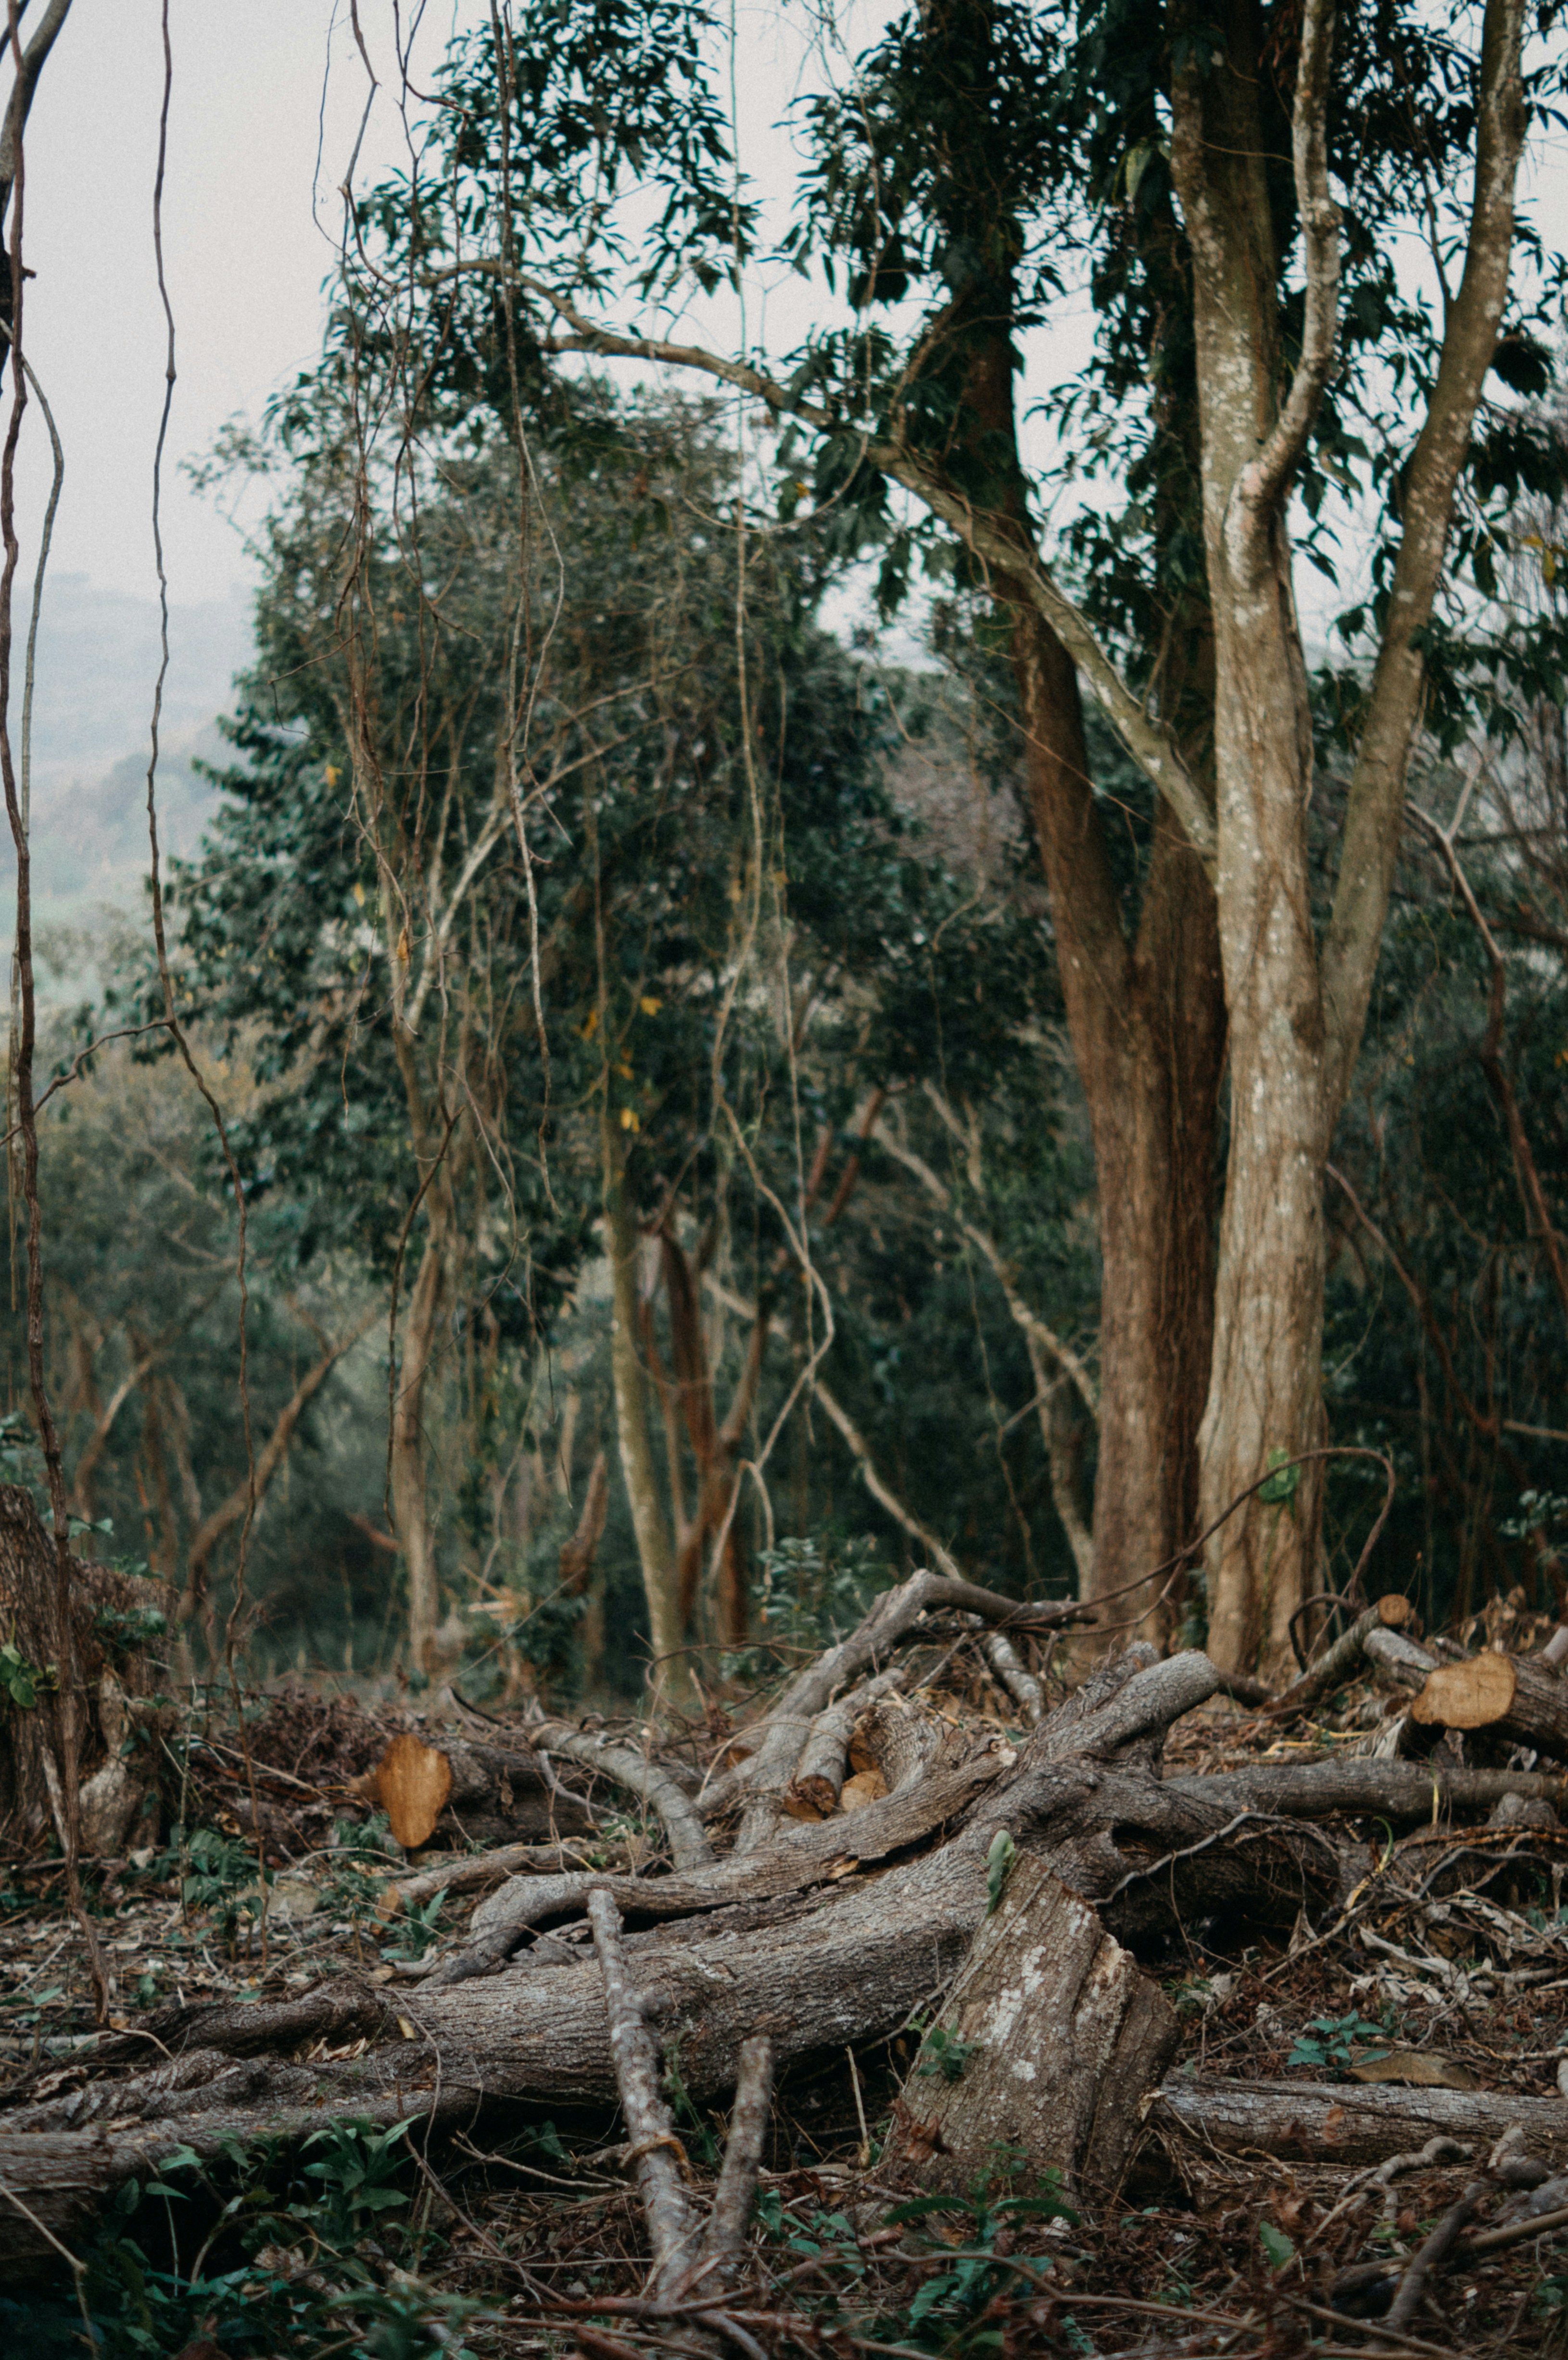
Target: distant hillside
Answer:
[[98, 655]]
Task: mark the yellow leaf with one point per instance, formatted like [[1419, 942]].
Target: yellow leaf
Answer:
[[630, 1121], [333, 775], [625, 1069], [403, 946], [591, 1026], [359, 895], [650, 1007]]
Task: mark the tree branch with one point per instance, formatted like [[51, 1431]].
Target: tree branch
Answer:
[[1371, 840], [1260, 487], [269, 1458], [996, 540]]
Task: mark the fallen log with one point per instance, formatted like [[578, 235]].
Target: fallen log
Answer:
[[1315, 2122], [1356, 1784], [818, 1935], [776, 1739]]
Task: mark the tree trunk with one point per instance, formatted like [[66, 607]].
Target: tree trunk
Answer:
[[1294, 1028], [410, 1509], [114, 1672], [655, 1551], [1147, 1027], [1263, 1392]]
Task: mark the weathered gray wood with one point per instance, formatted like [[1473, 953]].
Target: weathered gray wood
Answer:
[[1400, 1790], [1314, 2122], [781, 1734], [819, 1775], [1397, 1660], [672, 2223], [1065, 2035], [639, 1775], [801, 1854]]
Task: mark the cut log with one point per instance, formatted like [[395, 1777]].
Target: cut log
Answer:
[[1314, 2122], [412, 1783], [1520, 1701], [778, 1739], [1048, 2042]]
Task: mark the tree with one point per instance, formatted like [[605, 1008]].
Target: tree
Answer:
[[1256, 349], [473, 1048]]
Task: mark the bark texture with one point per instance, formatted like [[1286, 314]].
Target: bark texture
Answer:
[[1305, 2122], [1061, 2035]]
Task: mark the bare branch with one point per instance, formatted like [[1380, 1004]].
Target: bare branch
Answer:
[[1371, 839], [724, 2240], [995, 540], [671, 2219], [23, 88], [688, 1844], [1260, 487], [248, 1494]]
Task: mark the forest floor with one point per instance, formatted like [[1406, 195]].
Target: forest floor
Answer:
[[523, 2231]]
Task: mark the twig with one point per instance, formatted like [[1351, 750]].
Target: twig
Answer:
[[724, 2240], [1430, 2257]]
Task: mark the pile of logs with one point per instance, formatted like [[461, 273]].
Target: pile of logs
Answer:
[[853, 1863]]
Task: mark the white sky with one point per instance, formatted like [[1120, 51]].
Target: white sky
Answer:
[[257, 85]]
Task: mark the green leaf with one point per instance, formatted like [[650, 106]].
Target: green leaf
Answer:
[[1276, 2247], [999, 1862], [1283, 1485]]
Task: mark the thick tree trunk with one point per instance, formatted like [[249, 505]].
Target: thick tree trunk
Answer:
[[1263, 1392], [1294, 1028], [1147, 1027]]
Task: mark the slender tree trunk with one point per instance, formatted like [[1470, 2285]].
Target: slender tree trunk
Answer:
[[656, 1552], [411, 1506]]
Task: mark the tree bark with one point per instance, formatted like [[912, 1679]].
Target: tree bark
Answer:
[[1062, 2037], [1147, 1020], [1307, 2122], [656, 1550], [108, 1675], [1294, 1029], [1148, 1029], [409, 1489]]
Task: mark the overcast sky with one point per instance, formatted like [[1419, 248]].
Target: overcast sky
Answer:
[[262, 88]]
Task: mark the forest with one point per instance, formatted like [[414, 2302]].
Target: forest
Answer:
[[783, 1504]]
